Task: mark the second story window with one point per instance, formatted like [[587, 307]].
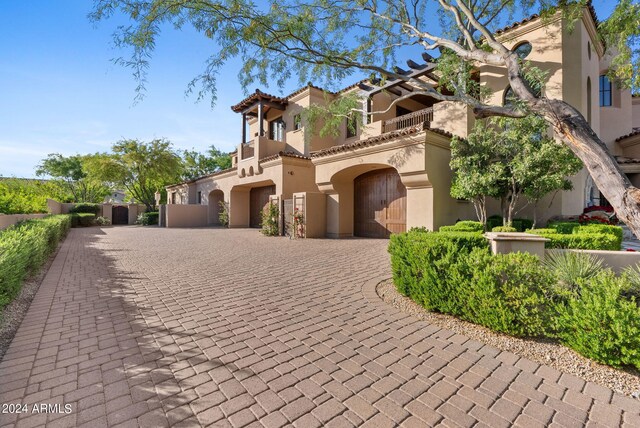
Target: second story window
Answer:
[[605, 91], [297, 122], [352, 126], [276, 129], [199, 197]]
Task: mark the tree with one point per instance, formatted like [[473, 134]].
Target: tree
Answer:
[[71, 171], [332, 40], [507, 159], [198, 164], [140, 168], [26, 196]]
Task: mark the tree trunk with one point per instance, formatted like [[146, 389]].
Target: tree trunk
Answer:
[[573, 130]]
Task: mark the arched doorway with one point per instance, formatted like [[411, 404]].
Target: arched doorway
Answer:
[[380, 204], [215, 199], [258, 199], [120, 214]]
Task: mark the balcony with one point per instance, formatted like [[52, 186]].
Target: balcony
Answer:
[[251, 152], [449, 116], [408, 120]]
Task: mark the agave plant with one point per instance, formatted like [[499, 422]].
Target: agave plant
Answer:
[[631, 288], [572, 268]]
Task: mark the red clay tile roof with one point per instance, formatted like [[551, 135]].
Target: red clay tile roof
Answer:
[[257, 95], [377, 140], [536, 16], [636, 131], [283, 154]]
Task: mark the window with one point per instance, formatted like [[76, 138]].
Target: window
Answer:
[[589, 100], [523, 50], [351, 126], [589, 49], [605, 91], [297, 122], [276, 129], [509, 97], [199, 197]]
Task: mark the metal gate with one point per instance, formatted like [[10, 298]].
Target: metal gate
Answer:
[[287, 217]]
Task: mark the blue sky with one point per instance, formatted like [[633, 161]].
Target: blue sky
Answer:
[[60, 92]]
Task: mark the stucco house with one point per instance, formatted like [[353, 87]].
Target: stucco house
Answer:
[[393, 172]]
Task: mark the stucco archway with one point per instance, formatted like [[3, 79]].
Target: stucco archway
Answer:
[[216, 197]]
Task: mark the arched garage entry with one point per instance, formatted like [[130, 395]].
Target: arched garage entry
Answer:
[[380, 204], [258, 199], [215, 198]]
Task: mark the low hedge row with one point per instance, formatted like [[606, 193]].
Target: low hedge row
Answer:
[[583, 237], [515, 294], [24, 247], [82, 219], [464, 226], [86, 208]]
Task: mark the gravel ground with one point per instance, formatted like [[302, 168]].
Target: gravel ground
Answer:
[[541, 351], [11, 316]]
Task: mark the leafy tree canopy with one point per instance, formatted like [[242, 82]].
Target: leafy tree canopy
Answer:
[[197, 164], [71, 171], [140, 168], [26, 196]]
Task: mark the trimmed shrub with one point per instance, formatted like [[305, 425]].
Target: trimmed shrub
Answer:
[[583, 241], [504, 229], [148, 218], [464, 226], [86, 208], [507, 293], [564, 227], [600, 324], [602, 228], [542, 232], [82, 219], [24, 247]]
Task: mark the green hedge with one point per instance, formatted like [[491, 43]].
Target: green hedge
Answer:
[[86, 208], [24, 248], [148, 218], [600, 323], [82, 219], [586, 237], [516, 294], [456, 274], [464, 226], [504, 229]]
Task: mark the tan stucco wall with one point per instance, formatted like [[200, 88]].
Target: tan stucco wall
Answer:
[[7, 220], [635, 103], [315, 213], [185, 215]]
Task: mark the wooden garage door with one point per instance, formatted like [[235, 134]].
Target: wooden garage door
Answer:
[[120, 215], [259, 197], [380, 205]]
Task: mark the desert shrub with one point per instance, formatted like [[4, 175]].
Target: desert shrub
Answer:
[[542, 232], [631, 285], [564, 227], [600, 324], [86, 208], [148, 218], [270, 223], [602, 228], [82, 219], [420, 262], [103, 221], [24, 248], [583, 241], [572, 268], [508, 293], [504, 229]]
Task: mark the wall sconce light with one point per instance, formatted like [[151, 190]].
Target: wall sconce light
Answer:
[[290, 172]]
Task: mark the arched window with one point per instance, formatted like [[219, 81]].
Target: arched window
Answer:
[[523, 50], [508, 97]]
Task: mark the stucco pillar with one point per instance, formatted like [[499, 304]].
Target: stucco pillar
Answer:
[[107, 211], [420, 200]]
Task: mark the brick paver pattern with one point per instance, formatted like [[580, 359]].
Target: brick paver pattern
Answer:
[[194, 327]]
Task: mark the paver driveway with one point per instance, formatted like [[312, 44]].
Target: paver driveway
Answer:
[[188, 327]]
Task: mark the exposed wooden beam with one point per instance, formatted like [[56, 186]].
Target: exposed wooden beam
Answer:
[[405, 87], [427, 57], [414, 65]]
